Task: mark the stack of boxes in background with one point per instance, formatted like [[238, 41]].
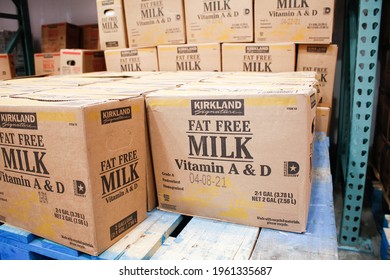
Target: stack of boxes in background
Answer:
[[239, 36], [69, 49], [11, 64]]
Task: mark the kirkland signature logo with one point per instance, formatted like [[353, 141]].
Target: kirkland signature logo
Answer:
[[18, 120], [129, 53], [115, 115], [218, 107], [317, 49], [193, 49], [257, 49]]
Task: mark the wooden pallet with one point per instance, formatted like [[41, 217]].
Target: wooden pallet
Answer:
[[165, 235]]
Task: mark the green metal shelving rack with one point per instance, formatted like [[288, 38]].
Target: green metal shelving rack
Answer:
[[358, 90], [23, 34]]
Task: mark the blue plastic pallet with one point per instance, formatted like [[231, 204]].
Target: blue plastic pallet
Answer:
[[165, 235]]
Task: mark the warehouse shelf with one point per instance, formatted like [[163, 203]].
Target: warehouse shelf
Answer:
[[23, 34], [358, 90]]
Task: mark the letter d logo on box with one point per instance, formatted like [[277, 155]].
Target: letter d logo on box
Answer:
[[291, 169], [79, 188]]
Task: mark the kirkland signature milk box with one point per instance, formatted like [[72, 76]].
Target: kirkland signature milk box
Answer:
[[128, 60], [191, 57], [154, 22], [59, 36], [77, 61], [7, 66], [258, 57], [231, 155], [299, 21], [219, 21], [321, 59], [73, 171], [112, 24], [47, 63]]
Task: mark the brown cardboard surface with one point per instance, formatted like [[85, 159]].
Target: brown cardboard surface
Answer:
[[80, 176], [255, 57], [47, 63], [59, 36], [303, 21], [112, 24], [238, 156], [7, 66], [90, 37], [321, 59], [154, 22], [190, 57], [128, 60], [323, 117], [219, 21], [76, 61]]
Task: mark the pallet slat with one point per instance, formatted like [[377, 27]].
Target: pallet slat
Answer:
[[147, 237], [205, 239]]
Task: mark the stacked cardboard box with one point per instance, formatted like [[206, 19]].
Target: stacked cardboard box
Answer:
[[59, 36], [258, 57], [211, 144], [190, 57], [47, 63], [323, 60], [7, 67], [73, 161], [127, 60], [76, 61], [89, 37], [155, 22], [112, 25], [6, 37]]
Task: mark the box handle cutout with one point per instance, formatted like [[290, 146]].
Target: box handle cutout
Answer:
[[109, 13], [71, 62]]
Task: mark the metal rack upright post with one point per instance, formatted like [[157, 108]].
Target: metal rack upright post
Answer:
[[358, 89], [23, 34]]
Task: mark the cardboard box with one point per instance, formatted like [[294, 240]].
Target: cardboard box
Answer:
[[242, 157], [90, 37], [154, 22], [190, 57], [219, 21], [126, 60], [59, 36], [304, 21], [258, 57], [47, 63], [7, 67], [323, 118], [321, 59], [112, 24], [82, 61], [80, 179]]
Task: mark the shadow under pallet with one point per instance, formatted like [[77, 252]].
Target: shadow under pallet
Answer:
[[169, 236]]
